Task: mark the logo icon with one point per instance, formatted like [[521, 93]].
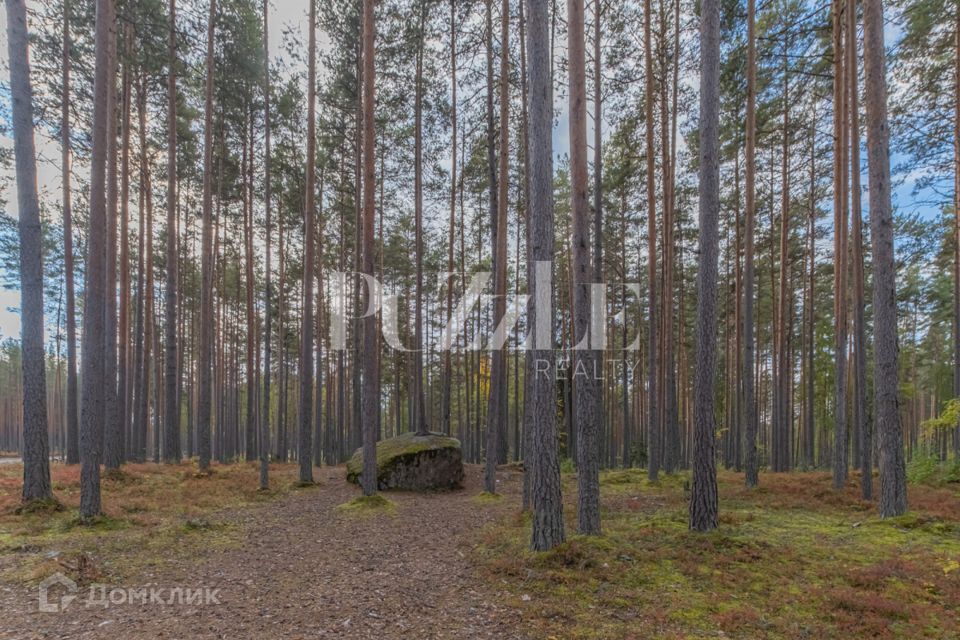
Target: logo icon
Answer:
[[48, 600]]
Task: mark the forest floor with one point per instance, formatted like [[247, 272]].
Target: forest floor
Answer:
[[297, 562], [792, 559]]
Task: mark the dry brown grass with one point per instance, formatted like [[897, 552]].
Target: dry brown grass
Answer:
[[148, 510]]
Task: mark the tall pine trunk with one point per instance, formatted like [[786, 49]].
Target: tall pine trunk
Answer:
[[864, 456], [703, 499], [544, 455], [893, 477], [447, 356], [94, 303], [110, 433], [36, 450], [205, 393], [586, 403], [752, 462], [370, 361], [419, 425], [304, 451], [72, 427], [124, 382], [839, 249], [653, 412], [171, 413], [267, 276]]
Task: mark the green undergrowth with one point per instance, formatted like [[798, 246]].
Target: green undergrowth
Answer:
[[485, 497], [368, 505], [789, 561], [931, 471]]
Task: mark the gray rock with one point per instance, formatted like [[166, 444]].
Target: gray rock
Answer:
[[417, 463]]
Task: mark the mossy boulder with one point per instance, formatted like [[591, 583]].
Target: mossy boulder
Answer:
[[414, 462]]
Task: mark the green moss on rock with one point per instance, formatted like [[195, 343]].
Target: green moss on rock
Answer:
[[415, 462]]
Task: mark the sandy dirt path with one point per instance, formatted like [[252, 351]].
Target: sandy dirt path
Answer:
[[308, 570]]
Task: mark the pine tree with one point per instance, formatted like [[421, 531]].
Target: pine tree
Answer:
[[36, 456], [586, 403], [893, 477], [703, 498], [548, 530]]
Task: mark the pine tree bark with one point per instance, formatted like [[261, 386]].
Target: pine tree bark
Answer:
[[956, 220], [809, 310], [545, 495], [72, 426], [783, 378], [496, 401], [94, 303], [864, 455], [36, 450], [445, 408], [141, 352], [267, 276], [840, 249], [529, 364], [667, 384], [419, 418], [893, 479], [752, 463], [109, 436], [171, 414], [653, 411], [205, 393], [250, 419], [586, 403], [304, 451], [370, 362], [124, 386], [703, 498]]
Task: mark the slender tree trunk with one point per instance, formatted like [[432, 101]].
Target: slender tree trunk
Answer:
[[956, 220], [124, 386], [653, 411], [371, 357], [667, 383], [36, 451], [73, 435], [206, 268], [94, 303], [840, 250], [496, 411], [281, 348], [783, 378], [861, 415], [109, 437], [306, 320], [752, 463], [544, 456], [586, 403], [808, 458], [144, 289], [267, 276], [447, 356], [703, 499], [171, 445], [419, 425], [893, 480], [529, 364], [250, 419]]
